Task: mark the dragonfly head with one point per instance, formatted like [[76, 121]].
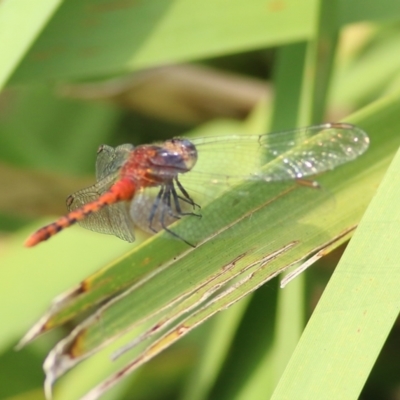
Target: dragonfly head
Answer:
[[179, 153]]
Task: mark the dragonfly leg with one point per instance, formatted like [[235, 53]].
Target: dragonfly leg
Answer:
[[186, 196], [154, 207], [177, 205], [164, 197], [169, 230], [167, 201]]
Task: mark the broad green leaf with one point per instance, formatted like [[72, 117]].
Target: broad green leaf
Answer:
[[346, 189], [314, 79], [284, 327], [215, 351], [288, 86], [359, 10], [361, 302], [80, 42], [91, 38], [34, 277], [271, 359], [315, 227], [30, 18], [239, 202], [159, 33], [127, 272]]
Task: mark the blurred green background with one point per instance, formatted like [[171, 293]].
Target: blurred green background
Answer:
[[79, 73]]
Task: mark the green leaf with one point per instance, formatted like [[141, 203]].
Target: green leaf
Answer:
[[359, 10], [91, 38], [361, 302], [34, 277], [315, 227], [30, 18]]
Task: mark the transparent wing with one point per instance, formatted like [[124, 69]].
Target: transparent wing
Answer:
[[112, 220], [110, 160], [276, 156], [281, 156], [222, 161]]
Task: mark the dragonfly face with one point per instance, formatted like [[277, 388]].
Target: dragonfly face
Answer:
[[173, 157]]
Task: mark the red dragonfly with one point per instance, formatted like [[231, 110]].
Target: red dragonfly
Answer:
[[119, 199]]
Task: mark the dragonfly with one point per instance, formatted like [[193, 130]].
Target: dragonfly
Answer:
[[125, 175]]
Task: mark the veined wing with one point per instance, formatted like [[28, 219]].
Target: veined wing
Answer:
[[278, 156], [222, 161], [110, 160], [113, 219]]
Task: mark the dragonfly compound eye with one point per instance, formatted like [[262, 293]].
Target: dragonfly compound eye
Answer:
[[178, 153]]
